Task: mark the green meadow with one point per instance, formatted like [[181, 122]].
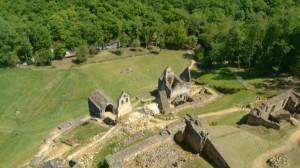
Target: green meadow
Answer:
[[33, 101]]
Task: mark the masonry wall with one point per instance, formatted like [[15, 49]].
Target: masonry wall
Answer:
[[252, 120], [94, 110], [214, 154], [193, 138]]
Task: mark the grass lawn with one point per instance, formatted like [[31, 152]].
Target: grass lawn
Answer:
[[221, 79], [235, 141], [34, 101], [81, 134]]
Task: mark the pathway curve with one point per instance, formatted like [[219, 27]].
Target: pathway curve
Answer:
[[288, 145], [224, 112]]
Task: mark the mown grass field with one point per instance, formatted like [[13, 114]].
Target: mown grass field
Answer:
[[34, 101]]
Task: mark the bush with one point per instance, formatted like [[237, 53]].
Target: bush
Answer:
[[93, 50], [59, 51], [136, 43], [81, 54]]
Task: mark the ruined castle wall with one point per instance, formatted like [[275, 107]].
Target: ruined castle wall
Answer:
[[252, 120], [215, 154]]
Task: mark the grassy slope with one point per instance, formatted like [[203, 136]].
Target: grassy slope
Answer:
[[47, 97]]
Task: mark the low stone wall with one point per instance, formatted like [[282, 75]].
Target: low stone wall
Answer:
[[215, 154], [252, 120], [116, 160]]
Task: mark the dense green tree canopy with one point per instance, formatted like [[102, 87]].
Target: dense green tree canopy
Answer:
[[260, 35]]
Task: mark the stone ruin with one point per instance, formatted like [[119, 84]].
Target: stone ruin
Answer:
[[124, 104], [174, 91], [187, 130], [100, 104], [173, 88], [277, 111]]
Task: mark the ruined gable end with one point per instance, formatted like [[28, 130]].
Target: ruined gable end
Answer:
[[124, 104], [186, 75]]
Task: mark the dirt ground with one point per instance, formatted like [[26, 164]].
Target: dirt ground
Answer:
[[167, 155]]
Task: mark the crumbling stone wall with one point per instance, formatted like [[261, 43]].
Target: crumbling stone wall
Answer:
[[277, 109], [252, 120]]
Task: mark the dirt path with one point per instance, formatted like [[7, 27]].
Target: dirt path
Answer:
[[46, 146], [192, 64], [224, 112], [288, 145], [95, 144]]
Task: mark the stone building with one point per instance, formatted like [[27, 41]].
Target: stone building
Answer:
[[277, 111], [176, 88], [124, 104], [99, 103]]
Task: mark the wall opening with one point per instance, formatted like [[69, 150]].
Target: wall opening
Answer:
[[273, 109], [109, 108], [110, 116]]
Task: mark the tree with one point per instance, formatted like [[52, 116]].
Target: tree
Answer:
[[43, 57], [59, 51], [191, 41], [8, 44], [81, 53]]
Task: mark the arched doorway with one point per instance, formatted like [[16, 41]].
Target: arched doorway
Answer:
[[110, 115]]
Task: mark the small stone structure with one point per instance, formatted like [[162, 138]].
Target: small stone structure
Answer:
[[186, 130], [99, 103], [277, 111], [124, 104]]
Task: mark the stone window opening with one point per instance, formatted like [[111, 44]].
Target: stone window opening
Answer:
[[126, 100], [122, 101], [273, 108]]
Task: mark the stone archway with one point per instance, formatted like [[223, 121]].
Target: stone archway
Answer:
[[110, 115]]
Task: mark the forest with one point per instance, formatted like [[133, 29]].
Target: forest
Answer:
[[259, 35]]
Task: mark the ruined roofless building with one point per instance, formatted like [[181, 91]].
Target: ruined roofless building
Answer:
[[99, 103], [176, 88], [277, 111]]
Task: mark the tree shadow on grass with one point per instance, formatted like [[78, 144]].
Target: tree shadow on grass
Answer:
[[117, 52], [196, 74], [223, 74], [243, 120], [188, 56]]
